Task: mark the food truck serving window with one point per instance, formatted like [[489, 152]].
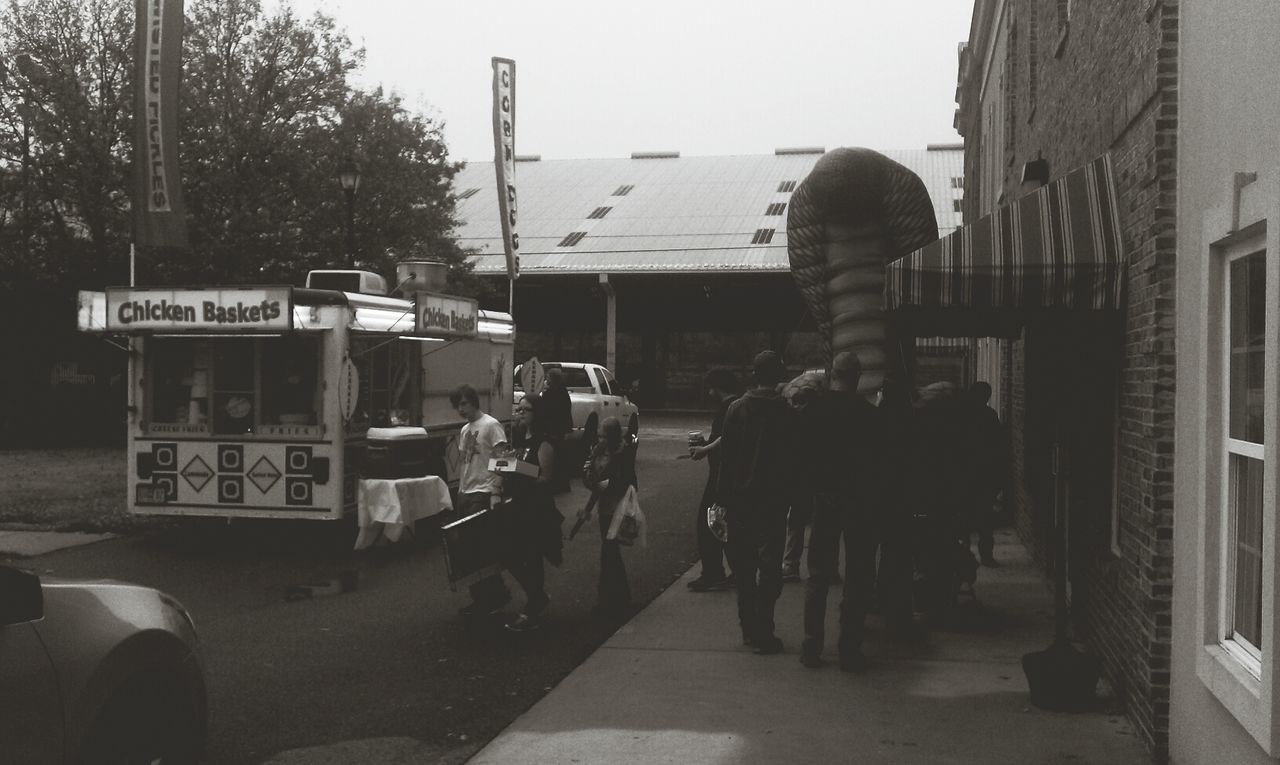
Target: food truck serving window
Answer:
[[233, 386], [388, 383]]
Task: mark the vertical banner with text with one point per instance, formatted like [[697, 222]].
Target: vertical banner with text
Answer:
[[159, 217], [504, 156]]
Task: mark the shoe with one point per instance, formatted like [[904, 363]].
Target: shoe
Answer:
[[790, 574], [523, 623], [854, 662], [812, 661], [767, 646], [747, 640], [703, 584]]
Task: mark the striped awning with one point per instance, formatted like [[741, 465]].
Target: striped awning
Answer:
[[1056, 248]]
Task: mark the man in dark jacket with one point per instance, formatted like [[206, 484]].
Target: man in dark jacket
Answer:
[[754, 486], [847, 439]]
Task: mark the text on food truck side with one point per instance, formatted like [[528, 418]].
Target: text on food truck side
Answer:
[[210, 312], [438, 318]]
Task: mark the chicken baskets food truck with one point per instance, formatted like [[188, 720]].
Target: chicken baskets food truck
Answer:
[[264, 401]]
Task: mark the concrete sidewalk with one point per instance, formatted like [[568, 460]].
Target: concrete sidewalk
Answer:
[[675, 686]]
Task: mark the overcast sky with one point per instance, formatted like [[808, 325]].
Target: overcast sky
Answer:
[[604, 79]]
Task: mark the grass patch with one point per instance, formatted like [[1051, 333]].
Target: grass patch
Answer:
[[67, 490]]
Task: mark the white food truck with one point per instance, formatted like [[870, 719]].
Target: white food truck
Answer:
[[272, 401]]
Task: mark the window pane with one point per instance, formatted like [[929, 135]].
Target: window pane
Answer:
[[1248, 326], [402, 404], [575, 379], [179, 381], [289, 381], [234, 396], [1246, 506]]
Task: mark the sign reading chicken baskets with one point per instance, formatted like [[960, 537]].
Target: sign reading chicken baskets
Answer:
[[224, 309], [447, 315]]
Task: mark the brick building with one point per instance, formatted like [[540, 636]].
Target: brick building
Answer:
[[1066, 82]]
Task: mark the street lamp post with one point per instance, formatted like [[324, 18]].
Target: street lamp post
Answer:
[[349, 178]]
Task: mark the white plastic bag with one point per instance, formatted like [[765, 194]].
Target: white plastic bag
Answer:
[[628, 525], [716, 522]]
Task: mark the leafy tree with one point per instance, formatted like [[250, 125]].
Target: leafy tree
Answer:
[[267, 115], [65, 112], [262, 95]]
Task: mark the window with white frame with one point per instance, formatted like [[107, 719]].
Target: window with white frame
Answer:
[[1239, 660], [1243, 469]]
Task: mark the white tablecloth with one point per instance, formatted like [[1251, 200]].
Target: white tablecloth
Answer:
[[387, 506]]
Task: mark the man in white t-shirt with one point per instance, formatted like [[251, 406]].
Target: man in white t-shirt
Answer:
[[478, 486]]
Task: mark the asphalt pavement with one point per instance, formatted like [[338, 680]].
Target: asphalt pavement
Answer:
[[674, 685]]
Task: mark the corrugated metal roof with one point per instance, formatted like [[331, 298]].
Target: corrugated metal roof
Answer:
[[681, 215]]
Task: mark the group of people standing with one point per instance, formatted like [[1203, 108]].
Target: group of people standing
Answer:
[[901, 484], [532, 534]]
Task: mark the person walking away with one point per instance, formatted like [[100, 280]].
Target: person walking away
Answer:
[[986, 452], [535, 528], [754, 487], [559, 424], [610, 471], [800, 516], [478, 487], [722, 385], [939, 473], [894, 529], [848, 492]]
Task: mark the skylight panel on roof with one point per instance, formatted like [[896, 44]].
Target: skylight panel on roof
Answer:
[[599, 212], [572, 239], [786, 187], [776, 208], [763, 236]]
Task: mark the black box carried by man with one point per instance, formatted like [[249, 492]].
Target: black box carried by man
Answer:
[[476, 546]]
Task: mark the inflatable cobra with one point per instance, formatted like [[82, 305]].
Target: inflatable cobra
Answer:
[[855, 212]]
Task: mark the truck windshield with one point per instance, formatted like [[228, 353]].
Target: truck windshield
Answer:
[[575, 378], [225, 386]]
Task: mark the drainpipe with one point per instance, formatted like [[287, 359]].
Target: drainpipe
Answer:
[[611, 324]]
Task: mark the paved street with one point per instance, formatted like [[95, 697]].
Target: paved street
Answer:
[[390, 660]]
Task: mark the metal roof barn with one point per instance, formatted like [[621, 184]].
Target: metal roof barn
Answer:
[[658, 212]]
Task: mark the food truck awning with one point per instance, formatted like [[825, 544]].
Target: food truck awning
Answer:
[[1056, 248]]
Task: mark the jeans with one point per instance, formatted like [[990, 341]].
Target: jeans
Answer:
[[757, 532], [835, 518]]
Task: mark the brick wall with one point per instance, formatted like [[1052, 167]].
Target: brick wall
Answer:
[[1107, 81]]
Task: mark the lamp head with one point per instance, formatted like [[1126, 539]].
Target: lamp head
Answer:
[[349, 176]]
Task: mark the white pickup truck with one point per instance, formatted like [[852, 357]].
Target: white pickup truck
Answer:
[[593, 395]]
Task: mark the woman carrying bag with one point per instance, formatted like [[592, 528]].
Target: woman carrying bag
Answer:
[[535, 532], [610, 474]]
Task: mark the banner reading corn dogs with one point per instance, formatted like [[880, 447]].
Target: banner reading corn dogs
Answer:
[[504, 156]]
